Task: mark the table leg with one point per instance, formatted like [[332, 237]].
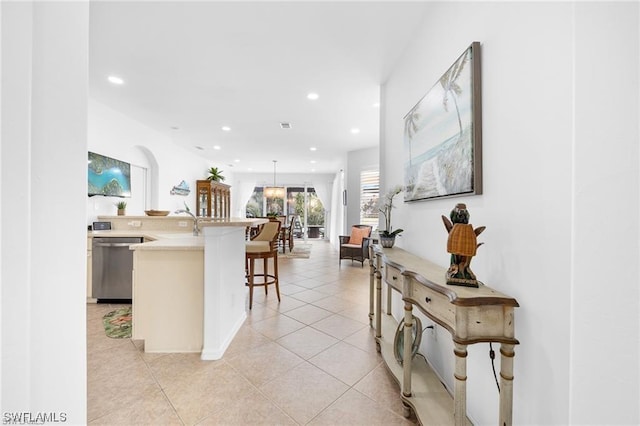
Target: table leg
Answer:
[[460, 386], [506, 383], [372, 272], [407, 349], [378, 304], [407, 356]]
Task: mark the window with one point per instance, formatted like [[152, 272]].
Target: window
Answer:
[[255, 205], [260, 206], [369, 191]]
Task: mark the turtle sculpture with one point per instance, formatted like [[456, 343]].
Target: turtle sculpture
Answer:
[[462, 244]]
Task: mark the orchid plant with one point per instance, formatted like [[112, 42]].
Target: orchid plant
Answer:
[[385, 208]]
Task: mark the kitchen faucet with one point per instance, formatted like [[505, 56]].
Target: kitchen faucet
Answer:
[[196, 230]]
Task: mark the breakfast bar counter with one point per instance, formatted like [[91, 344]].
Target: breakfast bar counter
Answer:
[[188, 291]]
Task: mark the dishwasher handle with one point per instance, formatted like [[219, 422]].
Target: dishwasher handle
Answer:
[[113, 244]]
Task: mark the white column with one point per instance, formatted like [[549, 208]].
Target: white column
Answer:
[[42, 192], [224, 289]]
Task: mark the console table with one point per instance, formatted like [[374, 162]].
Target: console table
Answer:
[[471, 315]]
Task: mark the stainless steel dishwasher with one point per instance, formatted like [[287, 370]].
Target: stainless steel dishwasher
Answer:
[[112, 267]]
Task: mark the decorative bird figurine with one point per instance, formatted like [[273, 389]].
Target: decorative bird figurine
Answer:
[[462, 244]]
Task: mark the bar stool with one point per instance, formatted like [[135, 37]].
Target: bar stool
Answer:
[[263, 246]]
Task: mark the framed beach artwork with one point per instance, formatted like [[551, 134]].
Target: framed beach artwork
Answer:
[[443, 135]]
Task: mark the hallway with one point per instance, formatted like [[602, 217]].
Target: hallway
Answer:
[[310, 359]]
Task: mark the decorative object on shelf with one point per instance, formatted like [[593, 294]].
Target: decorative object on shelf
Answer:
[[181, 189], [215, 175], [462, 244], [387, 242], [388, 236], [443, 134], [122, 206], [157, 212], [398, 341], [274, 191]]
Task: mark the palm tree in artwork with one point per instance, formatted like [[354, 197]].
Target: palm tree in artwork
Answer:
[[451, 87], [411, 127]]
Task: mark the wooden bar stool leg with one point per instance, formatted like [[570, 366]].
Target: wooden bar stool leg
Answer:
[[275, 274], [251, 277], [266, 274]]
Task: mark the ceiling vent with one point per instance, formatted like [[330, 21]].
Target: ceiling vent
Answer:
[[284, 125]]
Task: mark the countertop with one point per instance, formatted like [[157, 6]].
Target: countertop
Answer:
[[165, 240]]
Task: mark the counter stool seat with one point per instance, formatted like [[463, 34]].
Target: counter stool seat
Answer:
[[264, 246]]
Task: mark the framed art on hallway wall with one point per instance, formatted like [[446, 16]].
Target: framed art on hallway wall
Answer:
[[443, 134]]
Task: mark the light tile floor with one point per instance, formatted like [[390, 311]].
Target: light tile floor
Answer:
[[310, 359]]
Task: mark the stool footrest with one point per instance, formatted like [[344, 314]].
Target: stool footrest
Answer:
[[272, 279]]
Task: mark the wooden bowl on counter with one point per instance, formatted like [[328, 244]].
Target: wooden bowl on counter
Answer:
[[157, 212]]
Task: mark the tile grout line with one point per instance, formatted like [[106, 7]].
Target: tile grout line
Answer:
[[155, 379]]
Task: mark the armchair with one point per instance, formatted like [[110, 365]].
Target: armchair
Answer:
[[356, 245]]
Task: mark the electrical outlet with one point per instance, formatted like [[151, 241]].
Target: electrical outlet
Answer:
[[135, 223], [183, 224]]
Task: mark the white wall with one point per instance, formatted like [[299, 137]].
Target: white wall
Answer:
[[44, 128], [357, 161], [605, 287], [560, 157], [116, 135]]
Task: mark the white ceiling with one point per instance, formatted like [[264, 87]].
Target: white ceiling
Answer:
[[199, 66]]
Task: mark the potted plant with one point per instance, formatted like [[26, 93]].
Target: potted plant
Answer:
[[388, 235], [215, 175], [122, 205]]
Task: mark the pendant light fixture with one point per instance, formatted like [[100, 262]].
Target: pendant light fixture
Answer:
[[274, 191]]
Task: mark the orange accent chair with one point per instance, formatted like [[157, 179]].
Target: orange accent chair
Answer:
[[356, 245]]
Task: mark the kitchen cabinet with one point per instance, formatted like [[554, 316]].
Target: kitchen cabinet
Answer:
[[213, 199]]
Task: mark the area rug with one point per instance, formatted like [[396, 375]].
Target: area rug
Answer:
[[117, 324], [300, 251]]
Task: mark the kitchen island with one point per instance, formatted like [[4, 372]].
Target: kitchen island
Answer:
[[188, 291]]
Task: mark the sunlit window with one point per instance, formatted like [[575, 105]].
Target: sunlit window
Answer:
[[369, 190]]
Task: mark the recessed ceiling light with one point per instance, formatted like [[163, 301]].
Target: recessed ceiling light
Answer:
[[250, 169], [313, 96], [313, 161], [355, 130], [200, 148], [217, 147], [313, 148], [376, 105], [313, 170], [115, 80], [237, 160], [226, 128]]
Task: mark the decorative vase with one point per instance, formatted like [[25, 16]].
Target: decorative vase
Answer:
[[387, 242], [121, 212]]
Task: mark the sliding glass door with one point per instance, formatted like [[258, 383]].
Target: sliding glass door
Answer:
[[301, 201]]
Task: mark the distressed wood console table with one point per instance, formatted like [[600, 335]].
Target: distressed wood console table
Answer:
[[471, 315]]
